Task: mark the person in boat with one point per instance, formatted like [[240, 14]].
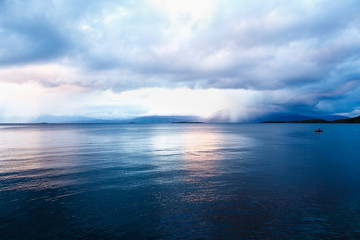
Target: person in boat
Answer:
[[318, 130]]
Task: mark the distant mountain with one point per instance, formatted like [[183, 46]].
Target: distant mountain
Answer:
[[328, 117], [345, 120], [145, 119], [225, 116], [297, 117], [74, 119], [282, 117], [272, 117], [349, 120], [165, 119]]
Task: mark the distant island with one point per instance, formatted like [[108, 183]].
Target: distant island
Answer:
[[346, 120], [187, 122]]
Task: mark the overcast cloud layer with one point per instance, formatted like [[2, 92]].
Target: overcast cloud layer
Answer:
[[116, 59]]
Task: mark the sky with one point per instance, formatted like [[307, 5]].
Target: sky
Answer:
[[114, 59]]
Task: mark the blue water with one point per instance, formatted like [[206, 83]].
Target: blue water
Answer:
[[179, 181]]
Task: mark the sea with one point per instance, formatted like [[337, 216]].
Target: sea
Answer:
[[179, 181]]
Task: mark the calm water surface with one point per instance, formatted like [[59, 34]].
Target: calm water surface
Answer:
[[179, 181]]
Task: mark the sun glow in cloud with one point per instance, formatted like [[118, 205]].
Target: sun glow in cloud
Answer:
[[176, 8]]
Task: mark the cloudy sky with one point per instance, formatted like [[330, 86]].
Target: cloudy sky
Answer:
[[117, 59]]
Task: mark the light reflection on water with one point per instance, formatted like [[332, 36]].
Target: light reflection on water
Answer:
[[251, 181]]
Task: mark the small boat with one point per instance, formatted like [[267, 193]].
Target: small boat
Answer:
[[318, 130]]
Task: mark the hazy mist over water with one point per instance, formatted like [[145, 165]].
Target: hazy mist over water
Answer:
[[179, 181]]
